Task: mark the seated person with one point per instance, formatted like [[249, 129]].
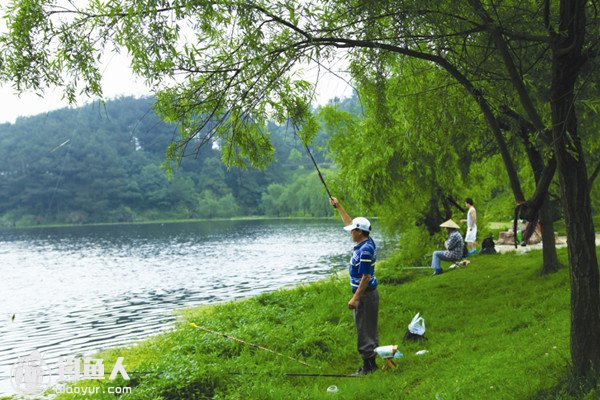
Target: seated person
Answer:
[[535, 236], [508, 237], [454, 247]]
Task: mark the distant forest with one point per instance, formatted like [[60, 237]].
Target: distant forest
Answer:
[[103, 163]]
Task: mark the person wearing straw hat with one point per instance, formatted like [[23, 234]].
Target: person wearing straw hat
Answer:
[[454, 247], [365, 298]]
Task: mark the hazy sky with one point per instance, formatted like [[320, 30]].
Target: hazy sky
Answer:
[[118, 80]]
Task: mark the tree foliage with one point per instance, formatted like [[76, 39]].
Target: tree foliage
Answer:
[[419, 150]]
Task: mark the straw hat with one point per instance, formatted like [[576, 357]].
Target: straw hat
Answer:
[[450, 224]]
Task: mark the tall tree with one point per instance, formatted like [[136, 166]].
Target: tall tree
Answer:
[[569, 54], [233, 62]]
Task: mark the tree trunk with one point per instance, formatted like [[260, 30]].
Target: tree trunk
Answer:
[[583, 263], [551, 263], [536, 161]]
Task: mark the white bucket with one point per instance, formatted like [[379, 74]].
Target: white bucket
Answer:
[[386, 351]]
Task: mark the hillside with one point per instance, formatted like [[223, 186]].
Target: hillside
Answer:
[[102, 163]]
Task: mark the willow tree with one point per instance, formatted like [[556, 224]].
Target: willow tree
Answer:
[[424, 139], [234, 62]]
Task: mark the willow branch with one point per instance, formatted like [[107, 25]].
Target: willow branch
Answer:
[[515, 77], [456, 74]]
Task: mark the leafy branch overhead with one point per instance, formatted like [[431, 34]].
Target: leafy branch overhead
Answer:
[[221, 76], [224, 68]]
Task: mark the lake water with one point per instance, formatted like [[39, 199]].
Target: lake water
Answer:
[[77, 290]]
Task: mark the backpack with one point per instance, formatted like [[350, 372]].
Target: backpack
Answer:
[[488, 246]]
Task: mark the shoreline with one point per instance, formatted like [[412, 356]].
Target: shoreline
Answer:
[[184, 314], [190, 363], [206, 362], [315, 268], [161, 221]]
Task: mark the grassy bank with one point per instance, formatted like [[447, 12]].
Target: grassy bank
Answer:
[[496, 329]]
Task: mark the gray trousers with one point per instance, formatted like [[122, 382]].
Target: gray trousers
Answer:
[[365, 319]]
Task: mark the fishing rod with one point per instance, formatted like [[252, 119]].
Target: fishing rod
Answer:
[[247, 343], [292, 374], [318, 172], [456, 264], [314, 163], [301, 374], [322, 375]]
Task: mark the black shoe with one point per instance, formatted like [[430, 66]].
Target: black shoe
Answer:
[[372, 363], [360, 372], [369, 365]]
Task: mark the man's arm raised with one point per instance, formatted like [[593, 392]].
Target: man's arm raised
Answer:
[[345, 217]]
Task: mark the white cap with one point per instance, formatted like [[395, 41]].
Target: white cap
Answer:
[[359, 223]]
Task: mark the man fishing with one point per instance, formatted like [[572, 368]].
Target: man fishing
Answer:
[[365, 298]]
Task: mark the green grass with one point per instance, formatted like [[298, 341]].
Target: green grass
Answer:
[[496, 330]]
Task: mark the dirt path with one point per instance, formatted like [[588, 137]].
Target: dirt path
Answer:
[[560, 242]]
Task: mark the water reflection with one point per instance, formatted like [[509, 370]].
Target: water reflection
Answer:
[[77, 290]]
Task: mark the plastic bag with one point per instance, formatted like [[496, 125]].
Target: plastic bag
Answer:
[[417, 325], [416, 328]]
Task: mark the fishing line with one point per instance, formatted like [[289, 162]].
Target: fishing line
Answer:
[[246, 343], [61, 172]]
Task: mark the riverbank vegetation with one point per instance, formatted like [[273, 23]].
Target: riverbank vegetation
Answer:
[[496, 329]]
